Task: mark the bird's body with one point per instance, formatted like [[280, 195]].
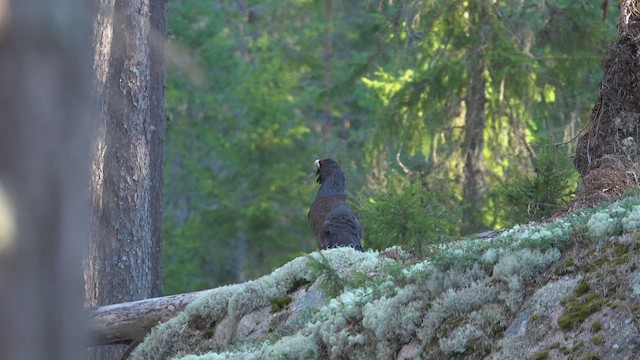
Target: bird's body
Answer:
[[332, 222]]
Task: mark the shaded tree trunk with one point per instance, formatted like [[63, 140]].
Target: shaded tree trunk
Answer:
[[475, 119], [46, 123], [124, 259], [326, 119], [607, 154]]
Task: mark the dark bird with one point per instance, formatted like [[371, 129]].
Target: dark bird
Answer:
[[332, 222]]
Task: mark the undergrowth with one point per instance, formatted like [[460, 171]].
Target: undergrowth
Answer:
[[541, 194], [407, 215]]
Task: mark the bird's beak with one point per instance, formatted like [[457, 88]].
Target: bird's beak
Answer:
[[317, 164]]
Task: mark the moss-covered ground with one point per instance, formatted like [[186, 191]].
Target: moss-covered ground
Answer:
[[553, 281]]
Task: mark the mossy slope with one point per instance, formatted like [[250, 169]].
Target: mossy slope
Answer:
[[533, 289]]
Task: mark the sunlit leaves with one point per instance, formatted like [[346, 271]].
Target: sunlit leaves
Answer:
[[386, 85], [540, 79], [256, 92]]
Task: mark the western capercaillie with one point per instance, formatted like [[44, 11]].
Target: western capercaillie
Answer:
[[332, 222]]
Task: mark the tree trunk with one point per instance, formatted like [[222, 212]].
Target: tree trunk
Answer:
[[46, 123], [608, 153], [124, 259], [326, 118], [475, 119]]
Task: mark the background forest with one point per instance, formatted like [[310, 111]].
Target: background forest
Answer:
[[432, 108]]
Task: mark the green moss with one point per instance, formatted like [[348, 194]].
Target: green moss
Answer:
[[581, 288], [280, 303], [571, 351], [568, 266], [596, 326], [593, 296], [621, 260], [598, 277], [621, 249], [590, 356], [535, 317], [569, 262], [598, 340], [541, 355], [620, 297], [599, 261], [578, 306]]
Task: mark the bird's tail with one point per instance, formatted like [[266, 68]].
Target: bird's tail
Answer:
[[341, 240]]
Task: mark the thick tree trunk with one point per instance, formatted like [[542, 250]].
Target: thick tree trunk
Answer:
[[608, 153], [475, 119], [157, 122], [45, 108], [124, 258]]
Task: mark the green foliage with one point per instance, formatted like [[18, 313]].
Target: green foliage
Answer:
[[406, 214], [534, 87], [258, 90], [333, 284], [548, 190], [239, 149]]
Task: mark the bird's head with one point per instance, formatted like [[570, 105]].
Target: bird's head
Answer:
[[328, 169]]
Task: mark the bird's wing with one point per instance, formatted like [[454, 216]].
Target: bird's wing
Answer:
[[320, 208], [341, 228]]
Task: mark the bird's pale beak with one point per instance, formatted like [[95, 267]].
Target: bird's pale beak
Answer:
[[317, 164]]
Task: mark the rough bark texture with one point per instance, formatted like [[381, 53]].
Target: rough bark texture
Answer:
[[127, 322], [327, 56], [124, 258], [475, 120], [607, 154], [46, 123], [157, 118]]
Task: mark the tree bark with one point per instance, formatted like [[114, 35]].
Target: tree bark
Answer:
[[327, 56], [131, 321], [608, 153], [124, 259], [475, 119], [46, 123]]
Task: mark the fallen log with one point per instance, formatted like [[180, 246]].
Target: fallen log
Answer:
[[127, 322]]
